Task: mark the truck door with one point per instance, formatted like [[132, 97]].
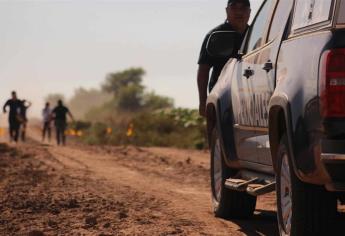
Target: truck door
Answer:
[[241, 106], [243, 101], [264, 75]]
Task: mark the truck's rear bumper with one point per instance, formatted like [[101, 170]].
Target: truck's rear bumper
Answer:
[[329, 165]]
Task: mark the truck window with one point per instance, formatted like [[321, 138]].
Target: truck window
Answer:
[[258, 28], [310, 12], [341, 18], [281, 15]]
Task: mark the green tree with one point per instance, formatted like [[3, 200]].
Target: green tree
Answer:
[[152, 101], [129, 98], [126, 88]]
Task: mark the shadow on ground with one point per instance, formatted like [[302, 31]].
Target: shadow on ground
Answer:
[[264, 222]]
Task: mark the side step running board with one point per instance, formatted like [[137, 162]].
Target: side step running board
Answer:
[[239, 184], [253, 186], [259, 189]]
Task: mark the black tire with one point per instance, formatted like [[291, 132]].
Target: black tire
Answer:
[[227, 203], [312, 209]]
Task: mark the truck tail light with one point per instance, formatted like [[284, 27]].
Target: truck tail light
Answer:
[[332, 83]]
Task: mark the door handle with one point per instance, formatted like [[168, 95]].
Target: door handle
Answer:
[[268, 66], [248, 73]]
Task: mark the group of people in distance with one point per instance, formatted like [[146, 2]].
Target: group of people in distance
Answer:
[[58, 114], [17, 119]]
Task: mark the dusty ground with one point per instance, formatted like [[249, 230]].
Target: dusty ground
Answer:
[[83, 190]]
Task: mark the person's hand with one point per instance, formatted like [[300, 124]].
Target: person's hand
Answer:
[[202, 109]]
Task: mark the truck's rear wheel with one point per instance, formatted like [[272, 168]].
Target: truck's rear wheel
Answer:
[[303, 209], [226, 203]]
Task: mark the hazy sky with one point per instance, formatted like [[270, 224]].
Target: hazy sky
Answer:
[[52, 46]]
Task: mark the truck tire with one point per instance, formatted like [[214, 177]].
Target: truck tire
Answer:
[[303, 209], [226, 203]]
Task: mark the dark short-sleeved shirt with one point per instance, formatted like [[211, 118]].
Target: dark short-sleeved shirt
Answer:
[[217, 63], [60, 113], [15, 108], [23, 110]]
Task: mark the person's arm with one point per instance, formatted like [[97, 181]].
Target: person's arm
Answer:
[[204, 62], [29, 104], [4, 107], [202, 79], [70, 115], [52, 114]]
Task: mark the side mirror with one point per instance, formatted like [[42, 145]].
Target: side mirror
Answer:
[[222, 43]]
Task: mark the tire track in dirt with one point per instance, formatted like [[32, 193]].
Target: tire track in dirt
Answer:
[[118, 191], [188, 200], [76, 205], [117, 175]]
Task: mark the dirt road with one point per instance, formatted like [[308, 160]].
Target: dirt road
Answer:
[[84, 190]]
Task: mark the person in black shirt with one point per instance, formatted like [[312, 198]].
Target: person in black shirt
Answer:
[[15, 106], [59, 113], [238, 13]]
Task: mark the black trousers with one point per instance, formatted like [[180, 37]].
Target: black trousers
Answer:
[[60, 127], [14, 128], [46, 130]]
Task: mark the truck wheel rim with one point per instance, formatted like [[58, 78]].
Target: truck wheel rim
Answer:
[[217, 170], [285, 195]]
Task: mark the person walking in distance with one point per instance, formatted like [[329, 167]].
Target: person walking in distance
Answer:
[[23, 118], [15, 106], [238, 13], [47, 117], [60, 116]]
